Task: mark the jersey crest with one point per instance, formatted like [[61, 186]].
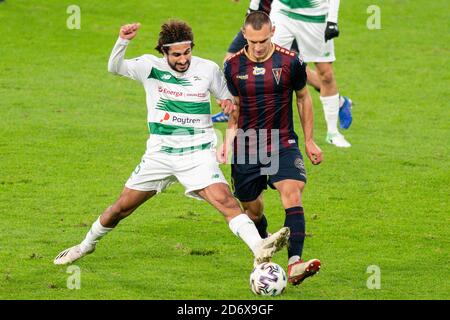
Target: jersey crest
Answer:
[[277, 74]]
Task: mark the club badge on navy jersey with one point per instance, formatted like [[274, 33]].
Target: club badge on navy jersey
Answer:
[[277, 74]]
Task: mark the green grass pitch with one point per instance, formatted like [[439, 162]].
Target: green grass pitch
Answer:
[[71, 133]]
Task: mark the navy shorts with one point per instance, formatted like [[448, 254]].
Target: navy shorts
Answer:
[[248, 182]]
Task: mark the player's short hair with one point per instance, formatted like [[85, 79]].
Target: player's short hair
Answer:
[[172, 32], [257, 19]]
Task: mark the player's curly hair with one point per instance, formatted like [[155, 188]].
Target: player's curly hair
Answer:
[[174, 31]]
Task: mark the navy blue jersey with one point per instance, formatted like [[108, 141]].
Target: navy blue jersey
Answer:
[[265, 92]]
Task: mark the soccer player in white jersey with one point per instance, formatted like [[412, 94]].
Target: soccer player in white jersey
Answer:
[[182, 141], [313, 24]]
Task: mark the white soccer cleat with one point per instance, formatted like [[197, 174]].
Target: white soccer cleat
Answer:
[[338, 140], [270, 245], [70, 255]]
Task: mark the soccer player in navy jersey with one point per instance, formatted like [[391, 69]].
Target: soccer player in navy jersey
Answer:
[[345, 103], [262, 78], [240, 42]]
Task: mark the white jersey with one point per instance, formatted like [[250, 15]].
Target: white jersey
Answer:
[[178, 104], [315, 11]]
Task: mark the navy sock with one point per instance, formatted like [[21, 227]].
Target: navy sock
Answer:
[[261, 226], [295, 221]]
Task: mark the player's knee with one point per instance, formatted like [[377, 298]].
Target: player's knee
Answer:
[[292, 197], [226, 200], [254, 210], [254, 216], [119, 210], [326, 76]]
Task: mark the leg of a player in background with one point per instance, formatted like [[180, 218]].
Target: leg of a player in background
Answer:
[[325, 73], [345, 103], [291, 198], [314, 81], [128, 201], [313, 78], [329, 97], [219, 196], [255, 211]]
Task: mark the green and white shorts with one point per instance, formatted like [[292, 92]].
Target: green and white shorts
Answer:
[[159, 169], [308, 31]]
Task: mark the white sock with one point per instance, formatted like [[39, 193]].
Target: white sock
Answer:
[[293, 259], [331, 110], [96, 232], [245, 229], [341, 101]]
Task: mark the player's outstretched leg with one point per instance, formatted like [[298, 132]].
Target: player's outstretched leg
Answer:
[[86, 247], [300, 270], [219, 195], [128, 201]]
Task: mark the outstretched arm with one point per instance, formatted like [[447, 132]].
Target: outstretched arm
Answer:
[[305, 111], [117, 63]]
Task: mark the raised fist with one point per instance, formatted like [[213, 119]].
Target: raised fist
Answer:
[[129, 31]]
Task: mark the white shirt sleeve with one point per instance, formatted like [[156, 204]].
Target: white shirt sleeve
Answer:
[[136, 69], [333, 11], [219, 85]]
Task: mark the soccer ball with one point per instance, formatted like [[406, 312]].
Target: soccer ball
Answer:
[[268, 279]]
